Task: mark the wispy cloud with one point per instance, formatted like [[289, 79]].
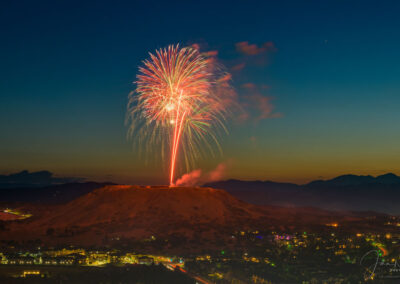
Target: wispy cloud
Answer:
[[253, 103], [257, 103], [238, 67], [252, 49], [250, 55]]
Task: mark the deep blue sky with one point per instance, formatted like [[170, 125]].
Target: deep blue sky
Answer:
[[67, 68]]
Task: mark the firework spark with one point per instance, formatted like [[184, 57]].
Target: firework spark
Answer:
[[181, 99]]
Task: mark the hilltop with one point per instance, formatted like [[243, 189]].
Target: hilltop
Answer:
[[116, 213]]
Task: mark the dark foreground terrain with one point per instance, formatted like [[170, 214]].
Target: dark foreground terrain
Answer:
[[206, 234], [79, 274]]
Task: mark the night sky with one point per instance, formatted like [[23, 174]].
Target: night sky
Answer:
[[325, 75]]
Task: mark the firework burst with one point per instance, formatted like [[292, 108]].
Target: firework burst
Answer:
[[181, 99]]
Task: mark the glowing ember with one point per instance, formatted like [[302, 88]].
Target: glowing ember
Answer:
[[181, 98]]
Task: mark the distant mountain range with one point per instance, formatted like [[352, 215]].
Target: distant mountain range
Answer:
[[34, 179], [53, 194], [352, 180], [346, 192]]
